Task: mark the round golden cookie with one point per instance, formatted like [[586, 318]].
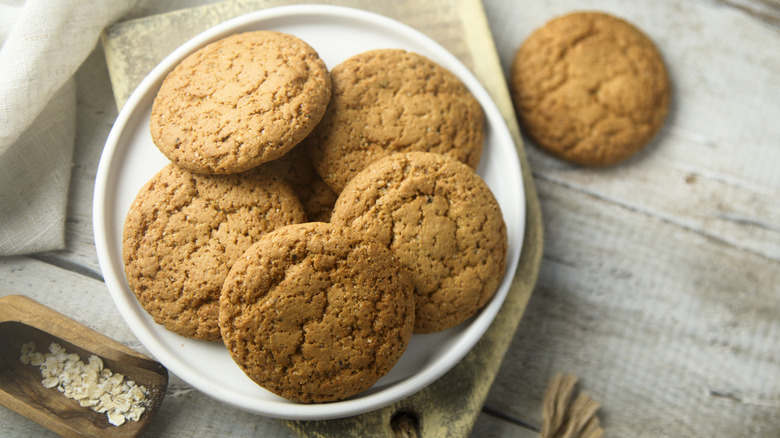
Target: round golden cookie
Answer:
[[239, 102], [442, 222], [590, 88], [184, 231], [316, 313], [390, 100]]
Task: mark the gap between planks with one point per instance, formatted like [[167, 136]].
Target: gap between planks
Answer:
[[767, 11], [58, 261], [666, 219], [493, 412]]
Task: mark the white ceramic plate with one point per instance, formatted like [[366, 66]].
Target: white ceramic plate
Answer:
[[130, 159]]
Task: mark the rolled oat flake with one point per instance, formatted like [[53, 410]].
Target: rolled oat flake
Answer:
[[91, 384]]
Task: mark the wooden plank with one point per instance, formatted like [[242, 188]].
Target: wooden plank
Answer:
[[77, 296], [673, 331]]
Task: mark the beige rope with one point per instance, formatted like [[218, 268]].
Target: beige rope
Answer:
[[563, 418]]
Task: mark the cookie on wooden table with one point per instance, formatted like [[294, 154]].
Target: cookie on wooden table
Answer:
[[390, 100], [442, 222], [184, 231], [316, 313], [239, 102], [590, 88]]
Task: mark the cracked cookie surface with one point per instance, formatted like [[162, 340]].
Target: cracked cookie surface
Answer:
[[184, 231], [316, 312], [442, 222], [389, 100], [590, 88], [239, 102]]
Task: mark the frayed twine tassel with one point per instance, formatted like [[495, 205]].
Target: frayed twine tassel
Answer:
[[563, 418]]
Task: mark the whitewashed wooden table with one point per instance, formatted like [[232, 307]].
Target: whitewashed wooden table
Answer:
[[660, 283]]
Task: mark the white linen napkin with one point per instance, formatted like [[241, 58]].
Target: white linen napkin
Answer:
[[43, 44]]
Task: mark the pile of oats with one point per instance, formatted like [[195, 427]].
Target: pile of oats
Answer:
[[90, 384]]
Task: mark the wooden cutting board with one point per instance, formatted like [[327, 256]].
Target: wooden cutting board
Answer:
[[450, 406]]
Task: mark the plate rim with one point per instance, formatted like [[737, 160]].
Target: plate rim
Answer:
[[285, 409]]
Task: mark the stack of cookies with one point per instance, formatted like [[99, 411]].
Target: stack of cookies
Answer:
[[312, 220]]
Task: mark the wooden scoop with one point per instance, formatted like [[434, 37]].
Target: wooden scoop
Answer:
[[23, 320]]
